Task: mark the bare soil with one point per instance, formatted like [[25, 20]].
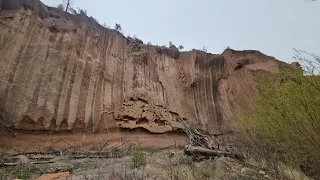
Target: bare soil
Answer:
[[170, 163], [21, 142]]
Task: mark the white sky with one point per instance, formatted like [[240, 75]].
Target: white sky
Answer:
[[273, 27]]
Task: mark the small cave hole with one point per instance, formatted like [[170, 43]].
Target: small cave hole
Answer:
[[160, 123], [129, 118], [142, 121]]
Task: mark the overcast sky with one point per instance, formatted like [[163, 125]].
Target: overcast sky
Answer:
[[273, 27]]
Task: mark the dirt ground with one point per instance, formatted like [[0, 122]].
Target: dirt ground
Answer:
[[170, 164], [21, 142], [25, 155]]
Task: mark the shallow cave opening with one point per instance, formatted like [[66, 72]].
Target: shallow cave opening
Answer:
[[142, 100], [142, 121], [129, 118], [160, 122], [136, 130]]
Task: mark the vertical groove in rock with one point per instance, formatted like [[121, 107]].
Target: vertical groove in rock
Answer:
[[75, 95]]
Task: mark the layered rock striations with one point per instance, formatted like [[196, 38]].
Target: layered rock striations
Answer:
[[66, 72]]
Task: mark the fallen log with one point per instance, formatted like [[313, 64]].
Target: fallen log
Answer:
[[34, 162], [8, 164], [192, 150]]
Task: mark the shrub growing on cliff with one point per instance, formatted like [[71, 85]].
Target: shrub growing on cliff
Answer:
[[82, 11], [60, 7], [286, 116], [118, 27], [181, 47], [94, 19], [204, 48]]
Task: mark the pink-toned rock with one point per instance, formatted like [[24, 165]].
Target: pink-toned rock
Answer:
[[66, 72]]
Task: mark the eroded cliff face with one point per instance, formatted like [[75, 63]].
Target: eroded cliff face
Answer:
[[66, 72]]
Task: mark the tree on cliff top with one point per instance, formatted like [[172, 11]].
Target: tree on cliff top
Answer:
[[204, 48], [118, 27], [68, 4], [60, 7]]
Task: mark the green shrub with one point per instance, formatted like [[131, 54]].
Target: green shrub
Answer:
[[286, 117], [187, 160], [181, 47], [138, 159], [118, 27], [22, 173]]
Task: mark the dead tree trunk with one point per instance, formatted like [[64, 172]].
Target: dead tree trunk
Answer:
[[192, 150], [200, 144], [68, 5], [195, 138]]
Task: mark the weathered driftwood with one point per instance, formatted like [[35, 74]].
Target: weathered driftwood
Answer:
[[9, 164], [200, 144], [195, 138], [192, 150], [35, 162]]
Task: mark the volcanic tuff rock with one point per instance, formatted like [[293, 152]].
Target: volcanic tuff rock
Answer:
[[66, 72]]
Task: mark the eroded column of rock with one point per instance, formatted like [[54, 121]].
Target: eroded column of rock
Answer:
[[66, 72]]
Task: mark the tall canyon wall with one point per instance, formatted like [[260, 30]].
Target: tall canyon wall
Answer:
[[66, 72]]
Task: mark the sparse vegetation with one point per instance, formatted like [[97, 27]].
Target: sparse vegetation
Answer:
[[60, 7], [187, 160], [82, 11], [68, 5], [137, 40], [204, 48], [73, 11], [95, 19], [118, 27], [181, 47], [170, 43], [22, 173], [138, 159]]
